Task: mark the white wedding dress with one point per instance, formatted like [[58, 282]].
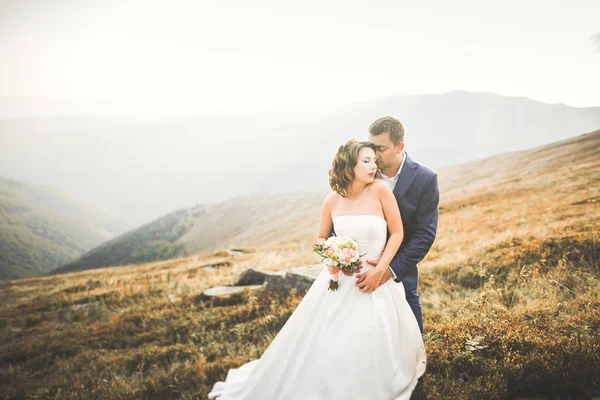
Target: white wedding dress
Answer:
[[342, 344]]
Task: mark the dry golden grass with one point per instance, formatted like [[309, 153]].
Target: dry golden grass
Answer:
[[555, 188]]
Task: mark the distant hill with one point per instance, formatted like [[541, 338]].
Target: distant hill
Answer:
[[568, 166], [139, 169], [158, 240], [243, 221], [41, 228]]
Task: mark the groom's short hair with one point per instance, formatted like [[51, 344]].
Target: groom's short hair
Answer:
[[389, 124]]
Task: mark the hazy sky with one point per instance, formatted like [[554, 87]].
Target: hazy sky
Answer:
[[181, 56]]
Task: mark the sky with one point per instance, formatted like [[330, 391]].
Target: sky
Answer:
[[179, 56]]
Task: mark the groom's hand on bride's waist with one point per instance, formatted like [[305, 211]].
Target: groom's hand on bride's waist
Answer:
[[389, 274], [368, 282]]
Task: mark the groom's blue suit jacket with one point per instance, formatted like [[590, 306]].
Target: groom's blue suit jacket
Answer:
[[418, 197]]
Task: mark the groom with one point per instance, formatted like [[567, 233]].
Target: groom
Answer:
[[416, 190]]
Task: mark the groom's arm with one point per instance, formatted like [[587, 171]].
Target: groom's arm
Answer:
[[422, 239]]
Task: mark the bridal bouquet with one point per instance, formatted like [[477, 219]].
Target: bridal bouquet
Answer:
[[341, 252]]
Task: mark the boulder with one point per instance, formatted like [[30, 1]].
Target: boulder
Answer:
[[251, 277], [299, 278]]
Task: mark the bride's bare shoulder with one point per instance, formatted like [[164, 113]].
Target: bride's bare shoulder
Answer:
[[379, 184], [381, 190], [330, 199]]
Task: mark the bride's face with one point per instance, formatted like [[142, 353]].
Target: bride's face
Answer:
[[366, 166]]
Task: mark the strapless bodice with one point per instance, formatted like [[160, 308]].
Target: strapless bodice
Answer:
[[369, 232]]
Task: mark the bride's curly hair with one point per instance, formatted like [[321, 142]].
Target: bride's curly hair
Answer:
[[341, 173]]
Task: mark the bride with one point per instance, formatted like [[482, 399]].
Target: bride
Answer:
[[361, 342]]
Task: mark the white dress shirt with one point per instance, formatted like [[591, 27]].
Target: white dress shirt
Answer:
[[391, 182]]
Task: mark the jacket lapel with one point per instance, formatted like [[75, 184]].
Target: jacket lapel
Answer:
[[407, 176]]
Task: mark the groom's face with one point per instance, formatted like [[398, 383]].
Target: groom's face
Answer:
[[387, 153]]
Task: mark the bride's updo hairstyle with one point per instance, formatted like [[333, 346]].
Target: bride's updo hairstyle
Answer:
[[341, 173]]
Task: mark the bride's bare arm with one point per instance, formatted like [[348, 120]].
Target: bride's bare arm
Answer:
[[394, 222], [326, 222]]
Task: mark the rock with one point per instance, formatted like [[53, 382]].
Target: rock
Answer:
[[299, 278], [275, 281], [251, 277], [227, 290]]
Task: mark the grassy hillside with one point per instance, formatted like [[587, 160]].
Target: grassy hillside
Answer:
[[510, 292], [41, 229], [158, 240], [240, 222]]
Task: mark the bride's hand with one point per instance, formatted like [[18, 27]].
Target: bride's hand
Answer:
[[333, 270], [369, 281]]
